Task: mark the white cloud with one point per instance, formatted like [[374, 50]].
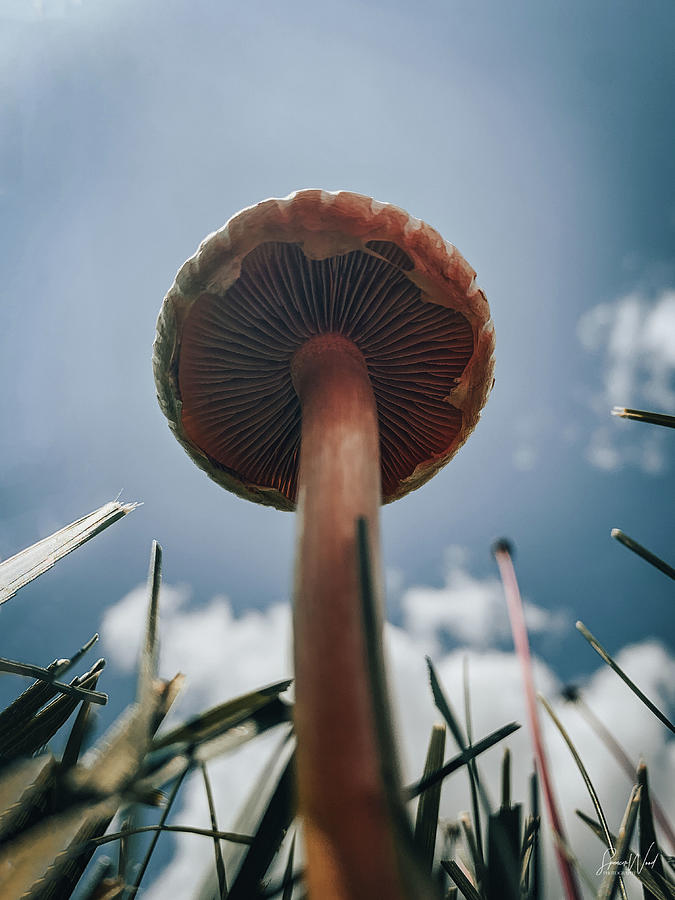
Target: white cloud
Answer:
[[224, 655], [468, 609], [636, 339]]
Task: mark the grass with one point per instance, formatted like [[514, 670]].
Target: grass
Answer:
[[56, 811]]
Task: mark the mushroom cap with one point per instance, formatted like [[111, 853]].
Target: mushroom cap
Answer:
[[285, 270]]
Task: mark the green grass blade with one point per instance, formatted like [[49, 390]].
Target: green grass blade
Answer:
[[21, 569], [647, 555], [428, 781], [220, 865], [273, 824], [151, 849], [288, 881], [147, 665], [621, 757], [426, 822], [534, 868], [648, 844], [503, 877], [586, 778], [600, 650], [472, 768], [412, 874]]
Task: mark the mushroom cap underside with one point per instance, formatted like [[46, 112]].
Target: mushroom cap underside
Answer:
[[284, 271]]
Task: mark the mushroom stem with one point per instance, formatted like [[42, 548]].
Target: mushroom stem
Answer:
[[349, 837]]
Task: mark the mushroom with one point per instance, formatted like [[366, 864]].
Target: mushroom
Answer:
[[329, 352]]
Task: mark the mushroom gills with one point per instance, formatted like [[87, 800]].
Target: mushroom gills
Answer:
[[234, 375]]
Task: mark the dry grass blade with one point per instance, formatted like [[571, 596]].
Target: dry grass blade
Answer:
[[643, 415], [115, 764], [660, 886], [527, 855], [26, 860], [19, 668], [219, 719], [463, 884], [78, 733], [19, 570], [502, 553], [611, 880], [600, 650], [27, 789], [232, 836], [28, 737], [479, 868], [40, 692], [220, 865], [426, 822], [647, 555], [587, 781]]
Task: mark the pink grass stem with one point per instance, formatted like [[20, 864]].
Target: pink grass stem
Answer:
[[522, 645]]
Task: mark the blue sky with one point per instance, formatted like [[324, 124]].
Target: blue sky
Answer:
[[537, 137]]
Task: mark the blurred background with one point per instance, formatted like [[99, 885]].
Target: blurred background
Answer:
[[536, 137]]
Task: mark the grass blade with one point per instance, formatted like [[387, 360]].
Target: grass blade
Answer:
[[151, 849], [479, 868], [611, 879], [28, 737], [415, 880], [273, 824], [587, 781], [502, 553], [288, 881], [220, 865], [648, 843], [19, 570], [600, 650], [464, 885], [661, 886], [19, 668], [414, 790], [647, 555], [573, 695], [534, 869], [426, 822], [472, 766], [219, 719], [642, 415]]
